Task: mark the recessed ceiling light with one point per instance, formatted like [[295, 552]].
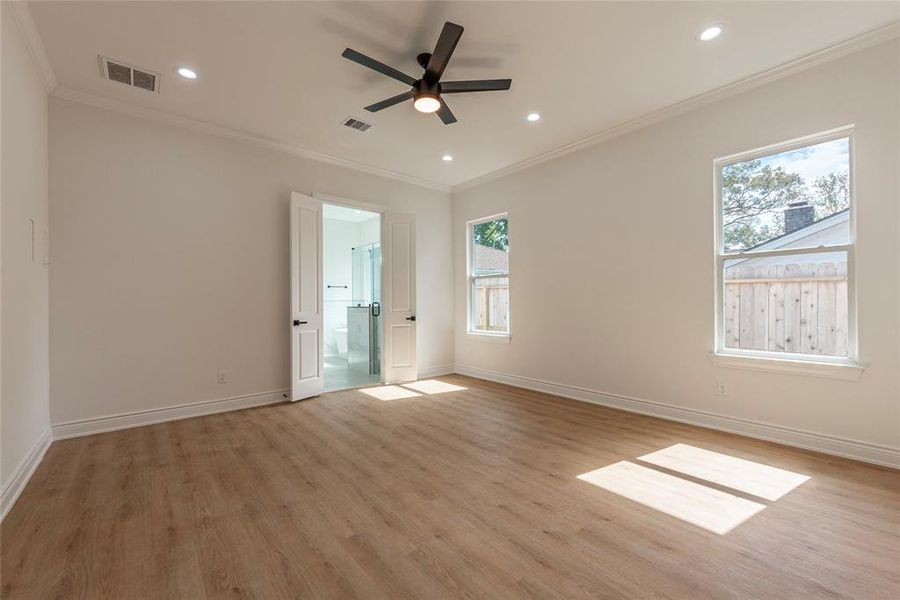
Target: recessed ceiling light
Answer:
[[533, 117], [186, 73], [710, 33], [447, 157]]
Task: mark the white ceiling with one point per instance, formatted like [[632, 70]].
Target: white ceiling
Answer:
[[344, 213], [274, 69]]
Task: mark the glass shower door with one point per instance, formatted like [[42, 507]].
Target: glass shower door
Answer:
[[363, 336]]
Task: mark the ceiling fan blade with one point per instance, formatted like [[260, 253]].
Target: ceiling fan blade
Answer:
[[445, 114], [377, 66], [443, 50], [482, 85], [390, 101]]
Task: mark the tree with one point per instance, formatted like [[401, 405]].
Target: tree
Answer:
[[493, 234], [751, 192], [831, 193]]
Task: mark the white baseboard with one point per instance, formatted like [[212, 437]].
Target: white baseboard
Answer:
[[82, 427], [435, 371], [872, 453], [23, 473]]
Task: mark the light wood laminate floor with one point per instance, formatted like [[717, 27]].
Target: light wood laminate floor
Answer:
[[471, 493]]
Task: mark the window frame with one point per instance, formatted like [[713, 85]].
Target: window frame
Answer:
[[471, 278], [785, 361]]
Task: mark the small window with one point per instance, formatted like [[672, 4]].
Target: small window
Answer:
[[488, 260], [785, 251]]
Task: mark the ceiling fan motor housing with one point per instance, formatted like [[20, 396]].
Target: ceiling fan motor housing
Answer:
[[423, 88]]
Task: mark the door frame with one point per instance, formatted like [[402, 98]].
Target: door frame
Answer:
[[369, 207]]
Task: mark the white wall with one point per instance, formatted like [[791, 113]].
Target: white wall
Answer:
[[338, 239], [627, 225], [170, 253], [24, 353], [370, 231]]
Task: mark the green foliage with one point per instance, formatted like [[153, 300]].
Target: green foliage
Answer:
[[831, 193], [493, 234], [755, 193], [749, 191]]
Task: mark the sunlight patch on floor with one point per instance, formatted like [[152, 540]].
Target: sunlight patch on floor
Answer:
[[746, 476], [694, 503], [389, 392], [433, 386]]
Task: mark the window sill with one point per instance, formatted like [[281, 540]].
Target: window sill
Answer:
[[498, 338], [846, 371]]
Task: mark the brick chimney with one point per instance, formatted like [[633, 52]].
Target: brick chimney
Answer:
[[798, 215]]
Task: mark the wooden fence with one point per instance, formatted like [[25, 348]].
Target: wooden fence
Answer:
[[492, 304], [787, 308]]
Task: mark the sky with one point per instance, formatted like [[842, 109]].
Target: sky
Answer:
[[810, 163], [813, 161]]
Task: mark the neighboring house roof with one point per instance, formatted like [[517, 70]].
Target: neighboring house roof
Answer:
[[787, 239], [491, 259], [833, 229]]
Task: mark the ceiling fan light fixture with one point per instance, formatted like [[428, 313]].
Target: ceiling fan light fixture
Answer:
[[427, 103]]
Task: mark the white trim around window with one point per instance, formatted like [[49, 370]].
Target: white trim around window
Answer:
[[765, 362], [846, 368], [471, 331]]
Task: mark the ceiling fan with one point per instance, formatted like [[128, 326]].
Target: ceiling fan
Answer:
[[426, 92]]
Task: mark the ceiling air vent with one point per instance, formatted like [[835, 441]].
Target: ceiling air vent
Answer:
[[357, 124], [116, 70]]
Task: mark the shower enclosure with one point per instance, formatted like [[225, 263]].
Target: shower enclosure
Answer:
[[363, 333]]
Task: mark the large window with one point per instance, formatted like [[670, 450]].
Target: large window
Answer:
[[488, 260], [785, 248]]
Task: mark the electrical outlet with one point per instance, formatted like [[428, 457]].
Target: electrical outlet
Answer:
[[222, 377], [721, 389]]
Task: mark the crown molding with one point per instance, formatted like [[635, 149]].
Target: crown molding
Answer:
[[222, 131], [843, 48], [21, 16]]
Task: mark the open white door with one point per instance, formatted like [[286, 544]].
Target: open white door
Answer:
[[399, 297], [306, 297]]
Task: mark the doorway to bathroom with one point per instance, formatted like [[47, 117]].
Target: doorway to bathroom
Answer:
[[351, 270]]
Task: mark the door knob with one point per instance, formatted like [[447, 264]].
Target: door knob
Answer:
[[412, 318], [298, 322]]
